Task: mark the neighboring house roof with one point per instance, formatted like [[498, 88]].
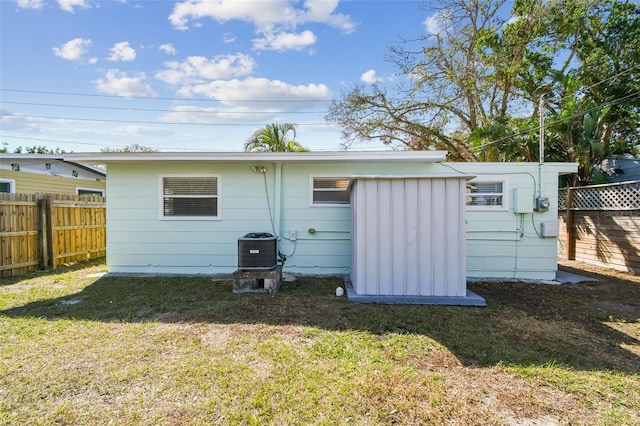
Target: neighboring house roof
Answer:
[[332, 156], [53, 157]]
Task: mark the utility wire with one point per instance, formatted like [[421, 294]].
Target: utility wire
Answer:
[[100, 95], [628, 70], [92, 144], [105, 120], [62, 141], [532, 129], [160, 110]]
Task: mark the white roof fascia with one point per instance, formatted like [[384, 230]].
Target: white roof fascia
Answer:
[[560, 167], [333, 156], [33, 156], [51, 157]]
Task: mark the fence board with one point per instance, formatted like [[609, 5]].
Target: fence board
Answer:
[[71, 221], [602, 222], [18, 234], [48, 230]]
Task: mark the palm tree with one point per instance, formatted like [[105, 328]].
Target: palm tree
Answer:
[[274, 138]]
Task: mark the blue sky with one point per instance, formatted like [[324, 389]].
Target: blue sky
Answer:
[[189, 75]]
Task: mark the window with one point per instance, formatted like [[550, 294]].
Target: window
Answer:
[[190, 197], [89, 191], [486, 194], [7, 185], [330, 190]]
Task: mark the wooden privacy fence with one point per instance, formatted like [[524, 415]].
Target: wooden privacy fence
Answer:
[[43, 231], [600, 224]]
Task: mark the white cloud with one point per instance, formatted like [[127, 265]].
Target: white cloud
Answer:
[[11, 120], [512, 20], [139, 130], [122, 52], [438, 22], [265, 15], [285, 41], [168, 49], [260, 89], [197, 69], [323, 11], [70, 5], [119, 83], [242, 98], [370, 77], [30, 4], [228, 38], [73, 50], [196, 114], [258, 12]]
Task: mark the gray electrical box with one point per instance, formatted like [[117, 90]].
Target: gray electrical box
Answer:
[[542, 204], [550, 229]]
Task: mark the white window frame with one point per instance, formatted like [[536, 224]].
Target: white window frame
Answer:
[[161, 196], [505, 193], [12, 185], [327, 176], [80, 188]]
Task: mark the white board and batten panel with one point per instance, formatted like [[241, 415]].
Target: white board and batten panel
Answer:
[[408, 236]]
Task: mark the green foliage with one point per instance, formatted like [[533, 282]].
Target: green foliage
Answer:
[[131, 148], [36, 149], [275, 138], [474, 87]]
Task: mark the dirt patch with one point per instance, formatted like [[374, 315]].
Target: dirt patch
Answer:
[[620, 310]]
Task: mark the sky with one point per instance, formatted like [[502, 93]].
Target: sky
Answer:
[[191, 75]]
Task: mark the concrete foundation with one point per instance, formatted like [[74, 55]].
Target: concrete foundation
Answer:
[[258, 281]]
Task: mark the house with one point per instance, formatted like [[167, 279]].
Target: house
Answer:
[[30, 173], [620, 168], [397, 221]]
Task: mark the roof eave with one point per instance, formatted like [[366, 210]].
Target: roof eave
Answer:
[[366, 156], [53, 157]]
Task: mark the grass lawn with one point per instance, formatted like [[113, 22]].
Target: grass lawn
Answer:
[[78, 348]]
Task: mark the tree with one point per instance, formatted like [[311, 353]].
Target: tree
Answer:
[[37, 150], [131, 148], [473, 86], [274, 138], [595, 106], [610, 71], [448, 87]]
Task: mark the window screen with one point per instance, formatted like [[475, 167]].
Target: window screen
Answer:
[[190, 196], [331, 190], [5, 187], [98, 192], [489, 194]]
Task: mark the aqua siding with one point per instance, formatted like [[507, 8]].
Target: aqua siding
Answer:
[[496, 246], [139, 242]]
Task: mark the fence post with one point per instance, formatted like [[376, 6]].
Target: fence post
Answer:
[[44, 210], [571, 232]]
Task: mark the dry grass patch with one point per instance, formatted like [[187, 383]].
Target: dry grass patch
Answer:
[[82, 349]]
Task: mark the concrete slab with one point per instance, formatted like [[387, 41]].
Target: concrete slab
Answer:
[[471, 299], [567, 277], [562, 277]]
